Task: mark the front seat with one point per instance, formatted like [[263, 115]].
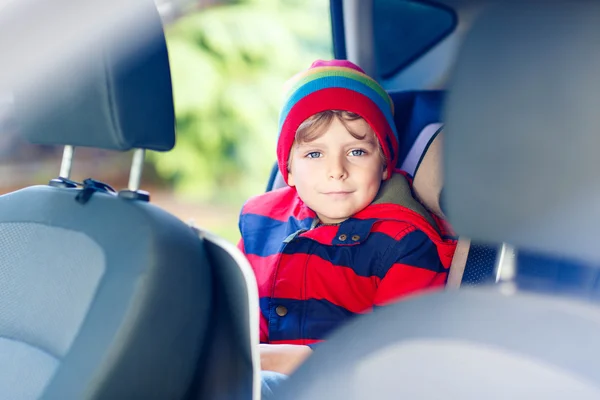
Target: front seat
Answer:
[[497, 342], [102, 295]]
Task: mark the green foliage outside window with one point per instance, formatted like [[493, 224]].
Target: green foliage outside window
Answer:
[[229, 64]]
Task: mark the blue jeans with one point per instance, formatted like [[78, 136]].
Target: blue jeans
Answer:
[[269, 381]]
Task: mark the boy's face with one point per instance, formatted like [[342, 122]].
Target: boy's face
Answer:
[[337, 175]]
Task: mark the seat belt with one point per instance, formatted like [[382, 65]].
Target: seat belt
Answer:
[[457, 267]]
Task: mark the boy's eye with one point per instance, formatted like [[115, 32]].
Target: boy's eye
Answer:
[[313, 154], [357, 152]]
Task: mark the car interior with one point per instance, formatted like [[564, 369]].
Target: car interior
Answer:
[[503, 146], [495, 103]]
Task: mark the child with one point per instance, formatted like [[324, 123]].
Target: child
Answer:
[[346, 235]]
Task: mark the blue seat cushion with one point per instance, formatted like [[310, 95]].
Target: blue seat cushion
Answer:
[[413, 111], [558, 275]]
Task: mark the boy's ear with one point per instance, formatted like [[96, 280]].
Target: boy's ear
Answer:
[[384, 176], [290, 180]]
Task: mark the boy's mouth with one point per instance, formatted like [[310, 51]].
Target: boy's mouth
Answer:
[[338, 194]]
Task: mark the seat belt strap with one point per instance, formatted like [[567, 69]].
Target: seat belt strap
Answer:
[[457, 267]]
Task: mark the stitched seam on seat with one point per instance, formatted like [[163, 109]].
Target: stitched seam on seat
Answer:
[[32, 345]]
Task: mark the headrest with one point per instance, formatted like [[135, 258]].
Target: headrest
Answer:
[[119, 97], [414, 110], [524, 129]]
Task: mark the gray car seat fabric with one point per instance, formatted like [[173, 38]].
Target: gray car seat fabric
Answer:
[[36, 341], [121, 93], [104, 300], [542, 118], [230, 360], [469, 344]]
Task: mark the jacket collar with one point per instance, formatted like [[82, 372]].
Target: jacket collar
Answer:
[[398, 190]]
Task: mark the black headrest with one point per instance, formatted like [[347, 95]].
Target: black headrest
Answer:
[[117, 97], [523, 129]]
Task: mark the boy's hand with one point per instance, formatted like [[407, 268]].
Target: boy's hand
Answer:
[[283, 358]]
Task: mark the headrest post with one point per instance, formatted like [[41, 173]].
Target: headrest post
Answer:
[[135, 176], [67, 162]]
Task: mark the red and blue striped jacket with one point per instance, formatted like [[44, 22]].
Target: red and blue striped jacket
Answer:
[[312, 279]]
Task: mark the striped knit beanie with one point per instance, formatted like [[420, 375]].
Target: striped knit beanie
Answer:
[[336, 85]]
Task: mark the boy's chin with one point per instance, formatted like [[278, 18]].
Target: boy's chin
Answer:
[[333, 218]]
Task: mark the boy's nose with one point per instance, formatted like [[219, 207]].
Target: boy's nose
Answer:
[[337, 169]]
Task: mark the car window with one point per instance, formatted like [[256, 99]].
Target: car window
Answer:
[[405, 30], [229, 60]]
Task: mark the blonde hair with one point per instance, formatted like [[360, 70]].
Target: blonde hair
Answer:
[[314, 127]]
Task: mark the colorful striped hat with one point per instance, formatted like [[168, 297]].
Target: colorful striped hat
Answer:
[[336, 85]]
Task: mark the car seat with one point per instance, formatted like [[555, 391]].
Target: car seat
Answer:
[[102, 294]]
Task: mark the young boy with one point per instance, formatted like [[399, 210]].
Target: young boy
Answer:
[[346, 235]]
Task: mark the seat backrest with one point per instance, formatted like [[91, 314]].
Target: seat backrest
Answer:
[[535, 184], [104, 300], [230, 363], [103, 295], [561, 167], [476, 343]]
